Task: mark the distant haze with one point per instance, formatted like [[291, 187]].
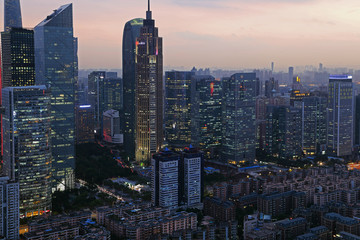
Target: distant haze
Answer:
[[222, 33]]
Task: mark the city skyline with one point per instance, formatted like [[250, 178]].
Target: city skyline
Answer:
[[301, 32]]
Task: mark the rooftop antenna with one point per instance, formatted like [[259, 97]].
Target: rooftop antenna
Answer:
[[148, 13]]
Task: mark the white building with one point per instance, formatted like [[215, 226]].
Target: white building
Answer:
[[10, 209], [111, 127]]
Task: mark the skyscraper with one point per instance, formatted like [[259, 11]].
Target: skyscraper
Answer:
[[85, 124], [340, 115], [313, 124], [178, 108], [165, 179], [55, 68], [291, 75], [191, 177], [18, 57], [12, 14], [27, 150], [113, 94], [131, 33], [206, 100], [95, 95], [177, 178], [239, 104], [283, 131], [149, 90]]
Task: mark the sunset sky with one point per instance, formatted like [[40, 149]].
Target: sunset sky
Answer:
[[218, 33]]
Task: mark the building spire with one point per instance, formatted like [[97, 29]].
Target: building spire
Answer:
[[148, 13]]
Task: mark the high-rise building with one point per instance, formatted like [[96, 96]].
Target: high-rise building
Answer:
[[165, 179], [113, 94], [177, 178], [149, 90], [27, 148], [55, 67], [283, 131], [191, 177], [206, 99], [85, 124], [314, 125], [95, 95], [12, 14], [18, 59], [291, 75], [131, 33], [271, 87], [357, 120], [239, 103], [340, 115], [111, 129], [9, 215], [178, 108]]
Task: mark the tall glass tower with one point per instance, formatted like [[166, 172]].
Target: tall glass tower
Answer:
[[149, 91], [55, 67], [18, 57], [131, 33], [178, 109], [12, 14], [340, 129], [27, 150], [239, 103]]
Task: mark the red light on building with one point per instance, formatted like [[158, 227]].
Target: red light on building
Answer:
[[212, 88]]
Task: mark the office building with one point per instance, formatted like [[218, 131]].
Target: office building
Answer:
[[9, 216], [291, 75], [165, 179], [340, 129], [18, 59], [177, 178], [95, 95], [85, 124], [131, 33], [27, 147], [12, 14], [271, 87], [178, 108], [314, 125], [206, 99], [149, 90], [283, 131], [111, 129], [55, 62], [357, 120], [191, 177], [239, 103], [113, 94]]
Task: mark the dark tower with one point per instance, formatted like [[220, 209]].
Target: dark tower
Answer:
[[149, 90], [131, 33]]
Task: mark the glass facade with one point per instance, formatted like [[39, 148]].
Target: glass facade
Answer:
[[95, 88], [131, 33], [18, 58], [149, 91], [313, 125], [12, 14], [206, 120], [27, 148], [178, 108], [284, 131], [113, 97], [55, 68], [340, 129], [239, 103]]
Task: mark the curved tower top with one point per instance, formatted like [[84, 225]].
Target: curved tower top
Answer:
[[12, 14]]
